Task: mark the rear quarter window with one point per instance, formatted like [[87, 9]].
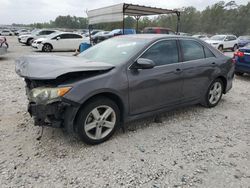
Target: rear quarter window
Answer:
[[192, 50]]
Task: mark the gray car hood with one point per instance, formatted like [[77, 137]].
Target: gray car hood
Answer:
[[51, 67]]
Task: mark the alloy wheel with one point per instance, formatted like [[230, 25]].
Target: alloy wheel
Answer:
[[100, 122], [215, 93]]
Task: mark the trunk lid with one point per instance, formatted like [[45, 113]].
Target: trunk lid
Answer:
[[246, 57]]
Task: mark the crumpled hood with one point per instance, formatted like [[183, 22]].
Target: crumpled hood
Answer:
[[212, 41], [50, 67]]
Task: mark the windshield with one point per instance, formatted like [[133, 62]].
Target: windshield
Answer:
[[218, 37], [35, 31], [244, 38], [115, 51], [52, 35]]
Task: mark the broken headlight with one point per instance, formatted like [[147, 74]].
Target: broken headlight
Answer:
[[44, 95]]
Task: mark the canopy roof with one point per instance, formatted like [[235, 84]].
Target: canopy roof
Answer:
[[116, 13]]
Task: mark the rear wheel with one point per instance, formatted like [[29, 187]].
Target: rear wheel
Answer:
[[214, 93], [29, 42], [98, 120], [47, 48]]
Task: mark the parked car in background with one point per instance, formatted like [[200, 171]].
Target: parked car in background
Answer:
[[99, 36], [58, 41], [116, 32], [28, 39], [224, 42], [22, 32], [93, 32], [3, 45], [202, 37], [242, 60], [123, 79], [243, 40], [158, 30], [6, 32], [184, 34]]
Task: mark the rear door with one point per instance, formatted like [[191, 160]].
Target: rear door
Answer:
[[159, 87], [198, 65], [60, 42]]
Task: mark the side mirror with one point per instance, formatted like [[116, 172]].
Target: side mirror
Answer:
[[226, 40], [143, 63], [58, 38]]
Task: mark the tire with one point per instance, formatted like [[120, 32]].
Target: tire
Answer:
[[220, 48], [235, 48], [214, 93], [239, 73], [92, 126], [47, 48], [29, 41]]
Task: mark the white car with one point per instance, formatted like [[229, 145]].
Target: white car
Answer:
[[29, 38], [202, 37], [22, 32], [60, 41], [223, 42], [6, 32]]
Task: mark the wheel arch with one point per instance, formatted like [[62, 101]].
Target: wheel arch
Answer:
[[112, 96], [224, 80], [48, 44]]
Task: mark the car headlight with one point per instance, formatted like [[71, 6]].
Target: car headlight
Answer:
[[44, 95], [215, 43], [39, 42]]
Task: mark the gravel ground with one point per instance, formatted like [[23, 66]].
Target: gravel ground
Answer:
[[192, 147]]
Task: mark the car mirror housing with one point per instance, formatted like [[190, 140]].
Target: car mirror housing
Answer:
[[58, 38], [143, 63]]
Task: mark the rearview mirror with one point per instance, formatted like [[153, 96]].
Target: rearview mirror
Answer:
[[143, 63], [58, 38]]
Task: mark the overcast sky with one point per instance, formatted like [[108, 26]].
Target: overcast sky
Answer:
[[30, 11]]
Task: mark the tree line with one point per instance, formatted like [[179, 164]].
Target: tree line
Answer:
[[219, 18]]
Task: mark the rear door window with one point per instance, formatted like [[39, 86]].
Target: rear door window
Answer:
[[192, 50], [74, 36], [163, 53]]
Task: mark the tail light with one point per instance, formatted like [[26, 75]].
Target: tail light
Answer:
[[239, 54]]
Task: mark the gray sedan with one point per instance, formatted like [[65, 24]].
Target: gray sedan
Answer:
[[123, 79]]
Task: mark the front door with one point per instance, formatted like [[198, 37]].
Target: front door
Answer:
[[159, 87]]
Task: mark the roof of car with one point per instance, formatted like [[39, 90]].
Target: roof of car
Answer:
[[154, 36]]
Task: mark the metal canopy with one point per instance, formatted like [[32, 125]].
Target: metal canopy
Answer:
[[116, 13]]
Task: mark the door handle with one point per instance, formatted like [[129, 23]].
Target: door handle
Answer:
[[178, 71], [213, 64]]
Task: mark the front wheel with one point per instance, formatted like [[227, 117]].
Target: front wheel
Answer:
[[47, 48], [220, 48], [214, 93], [235, 48], [98, 120]]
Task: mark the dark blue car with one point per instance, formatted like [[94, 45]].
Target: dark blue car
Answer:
[[243, 41], [242, 60]]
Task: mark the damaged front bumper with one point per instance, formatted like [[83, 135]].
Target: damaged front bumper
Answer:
[[57, 115]]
